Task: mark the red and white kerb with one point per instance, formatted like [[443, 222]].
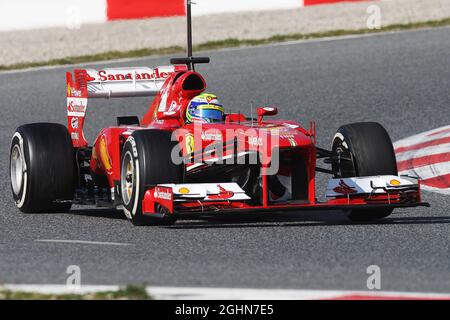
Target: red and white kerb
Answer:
[[427, 156]]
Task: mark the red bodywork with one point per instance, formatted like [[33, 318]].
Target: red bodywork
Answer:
[[238, 134]]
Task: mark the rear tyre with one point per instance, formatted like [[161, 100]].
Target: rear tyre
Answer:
[[42, 168], [373, 154], [147, 161]]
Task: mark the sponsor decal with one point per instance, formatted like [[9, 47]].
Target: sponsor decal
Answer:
[[104, 75], [223, 194], [255, 141], [74, 123], [184, 190], [290, 138], [287, 136], [74, 136], [344, 188], [163, 103], [133, 146], [189, 138], [73, 92], [211, 136], [162, 194], [76, 105]]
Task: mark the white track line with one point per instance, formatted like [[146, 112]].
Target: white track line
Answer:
[[59, 288], [174, 293], [196, 293], [84, 242]]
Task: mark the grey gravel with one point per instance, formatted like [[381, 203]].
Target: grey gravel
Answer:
[[46, 44]]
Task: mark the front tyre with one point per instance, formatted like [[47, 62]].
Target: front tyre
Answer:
[[373, 154], [42, 168], [146, 161]]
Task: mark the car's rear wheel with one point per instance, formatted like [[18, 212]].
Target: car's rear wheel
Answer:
[[147, 161], [371, 148], [42, 168]]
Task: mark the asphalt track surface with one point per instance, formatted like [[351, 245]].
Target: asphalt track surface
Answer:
[[401, 80]]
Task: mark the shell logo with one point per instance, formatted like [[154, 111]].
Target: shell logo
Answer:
[[183, 190], [394, 182]]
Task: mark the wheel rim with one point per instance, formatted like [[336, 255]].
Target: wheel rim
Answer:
[[16, 169], [127, 178], [345, 168]]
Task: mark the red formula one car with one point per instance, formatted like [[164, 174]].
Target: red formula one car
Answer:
[[167, 165]]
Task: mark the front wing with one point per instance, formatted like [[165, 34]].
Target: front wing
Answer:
[[342, 194]]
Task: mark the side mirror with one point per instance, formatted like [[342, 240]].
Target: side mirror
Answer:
[[168, 115], [266, 111]]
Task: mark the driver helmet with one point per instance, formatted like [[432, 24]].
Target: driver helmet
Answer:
[[205, 108]]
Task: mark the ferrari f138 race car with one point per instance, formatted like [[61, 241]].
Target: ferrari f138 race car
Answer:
[[187, 156]]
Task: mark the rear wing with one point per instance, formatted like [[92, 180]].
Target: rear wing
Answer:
[[120, 82], [109, 83]]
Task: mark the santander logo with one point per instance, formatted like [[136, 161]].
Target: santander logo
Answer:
[[107, 75], [162, 194], [76, 105]]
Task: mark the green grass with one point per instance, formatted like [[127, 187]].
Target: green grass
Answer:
[[130, 292], [227, 43]]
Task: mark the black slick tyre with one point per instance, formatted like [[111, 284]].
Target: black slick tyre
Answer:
[[145, 162], [373, 154], [42, 168]]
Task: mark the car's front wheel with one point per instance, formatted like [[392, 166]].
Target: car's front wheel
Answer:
[[147, 161], [372, 154]]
